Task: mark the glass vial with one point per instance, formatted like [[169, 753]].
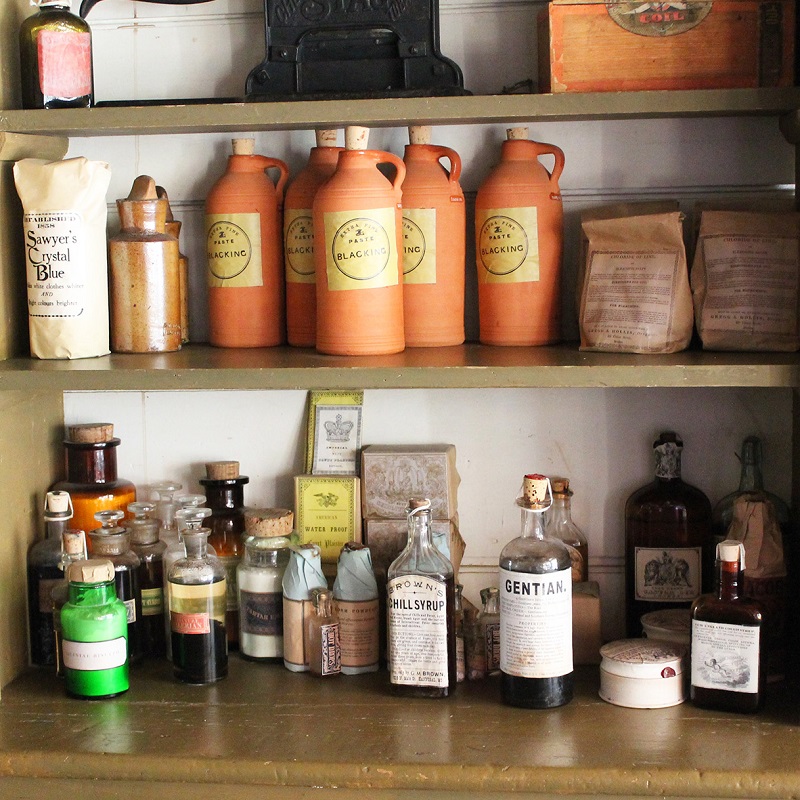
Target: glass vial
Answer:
[[73, 548], [113, 542], [561, 526], [224, 488], [95, 628], [726, 652], [55, 48], [489, 629], [535, 608], [420, 608], [197, 612], [355, 593], [303, 575], [44, 573], [166, 506], [144, 530], [322, 635]]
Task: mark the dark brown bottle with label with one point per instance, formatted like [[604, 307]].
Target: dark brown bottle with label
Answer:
[[728, 665], [669, 541]]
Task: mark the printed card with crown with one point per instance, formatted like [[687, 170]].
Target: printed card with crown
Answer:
[[336, 436]]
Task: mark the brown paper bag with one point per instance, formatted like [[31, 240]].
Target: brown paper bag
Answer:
[[755, 525]]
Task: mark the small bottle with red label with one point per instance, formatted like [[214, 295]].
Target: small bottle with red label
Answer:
[[55, 49]]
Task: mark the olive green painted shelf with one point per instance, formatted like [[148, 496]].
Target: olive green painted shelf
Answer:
[[265, 732], [467, 366], [393, 112]]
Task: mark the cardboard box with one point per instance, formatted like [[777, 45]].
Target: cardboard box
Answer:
[[586, 636], [392, 474], [599, 46]]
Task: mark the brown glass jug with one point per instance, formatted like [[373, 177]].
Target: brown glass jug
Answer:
[[434, 230], [357, 225], [519, 232]]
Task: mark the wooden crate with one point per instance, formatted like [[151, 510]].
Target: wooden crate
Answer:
[[684, 44]]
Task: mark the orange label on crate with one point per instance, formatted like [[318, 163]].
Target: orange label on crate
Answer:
[[658, 19]]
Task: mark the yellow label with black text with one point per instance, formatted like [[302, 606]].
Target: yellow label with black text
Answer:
[[298, 236], [419, 245], [361, 249], [233, 250], [507, 245]]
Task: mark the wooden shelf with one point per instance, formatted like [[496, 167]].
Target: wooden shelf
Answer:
[[398, 112], [469, 366]]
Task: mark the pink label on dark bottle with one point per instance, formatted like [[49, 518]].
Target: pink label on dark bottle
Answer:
[[65, 63]]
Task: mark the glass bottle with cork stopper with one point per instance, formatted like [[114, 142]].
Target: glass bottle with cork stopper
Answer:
[[90, 453], [166, 506], [560, 524], [73, 548], [45, 571], [322, 635], [259, 577], [535, 608], [113, 542], [224, 488]]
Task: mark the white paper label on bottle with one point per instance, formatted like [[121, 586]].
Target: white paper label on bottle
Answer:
[[56, 264], [725, 656], [536, 623], [130, 607], [298, 235], [233, 250], [667, 574], [419, 245], [85, 656], [507, 244], [417, 612]]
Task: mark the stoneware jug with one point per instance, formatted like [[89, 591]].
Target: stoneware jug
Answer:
[[519, 231], [173, 227], [298, 239], [244, 246], [357, 223], [434, 231]]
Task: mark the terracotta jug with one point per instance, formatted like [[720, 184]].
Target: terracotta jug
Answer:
[[434, 231], [145, 275], [244, 248], [519, 231], [298, 238], [357, 225], [173, 227]]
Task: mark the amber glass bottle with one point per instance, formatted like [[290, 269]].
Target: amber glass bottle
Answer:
[[727, 655], [91, 466], [669, 542]]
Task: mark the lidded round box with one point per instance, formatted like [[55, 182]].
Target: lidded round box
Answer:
[[670, 625], [643, 673]]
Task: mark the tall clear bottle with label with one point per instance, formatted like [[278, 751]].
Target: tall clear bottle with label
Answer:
[[669, 541], [421, 613], [244, 248], [727, 654], [535, 608]]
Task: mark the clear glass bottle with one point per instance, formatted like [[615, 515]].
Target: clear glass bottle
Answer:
[[421, 613], [303, 574], [95, 628], [489, 628], [461, 656], [113, 542], [322, 635], [224, 488], [166, 506], [355, 593], [55, 48], [669, 541], [73, 548], [560, 525], [145, 542], [44, 572], [535, 608], [728, 666], [197, 612]]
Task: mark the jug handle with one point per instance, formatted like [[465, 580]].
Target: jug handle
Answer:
[[454, 173], [544, 149], [283, 174], [381, 157]]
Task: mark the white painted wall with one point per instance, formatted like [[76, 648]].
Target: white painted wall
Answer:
[[599, 438]]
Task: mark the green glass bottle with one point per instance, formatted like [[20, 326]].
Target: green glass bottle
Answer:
[[55, 48], [94, 628]]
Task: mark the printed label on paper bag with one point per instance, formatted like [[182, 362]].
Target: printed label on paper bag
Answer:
[[233, 250], [667, 575], [299, 238], [508, 245], [419, 245], [358, 631]]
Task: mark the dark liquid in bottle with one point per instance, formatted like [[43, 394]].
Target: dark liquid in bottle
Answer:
[[126, 582], [200, 657], [43, 647], [154, 635], [536, 692]]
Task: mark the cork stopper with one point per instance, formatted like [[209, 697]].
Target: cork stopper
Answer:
[[732, 551], [243, 147], [222, 470], [560, 487], [73, 543], [95, 570], [326, 137], [90, 433], [418, 505], [534, 491], [57, 505], [144, 188], [356, 137], [268, 522], [517, 133], [419, 134]]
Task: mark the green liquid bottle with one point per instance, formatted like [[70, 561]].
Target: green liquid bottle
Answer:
[[94, 627]]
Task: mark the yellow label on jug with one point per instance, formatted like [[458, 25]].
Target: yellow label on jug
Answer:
[[233, 248], [419, 245], [361, 249], [507, 245], [299, 240]]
